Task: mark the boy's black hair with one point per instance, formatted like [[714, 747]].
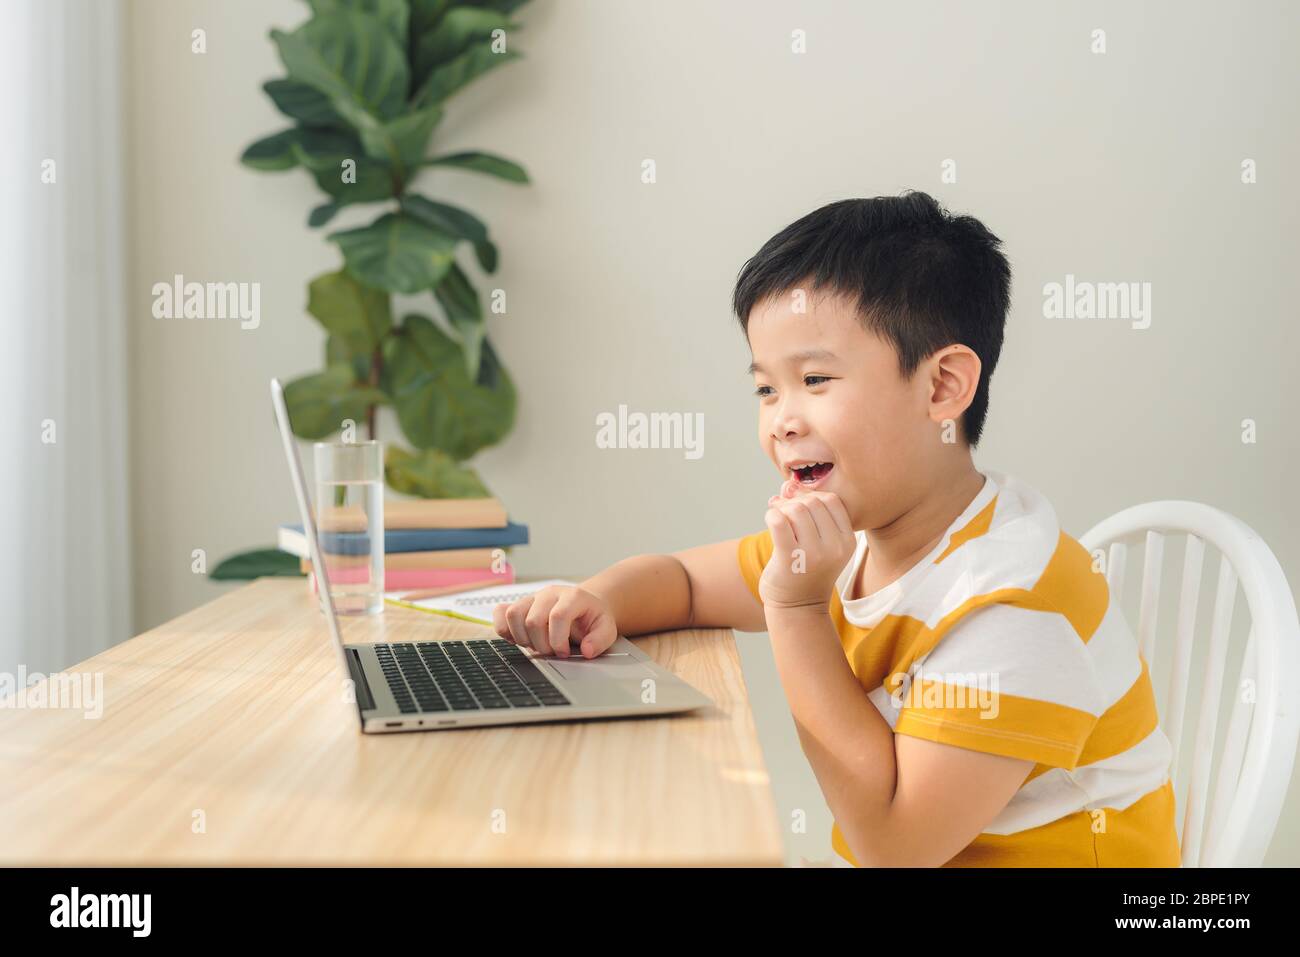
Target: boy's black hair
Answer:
[[921, 278]]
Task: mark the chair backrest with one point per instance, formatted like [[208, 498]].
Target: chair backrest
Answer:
[[1232, 826]]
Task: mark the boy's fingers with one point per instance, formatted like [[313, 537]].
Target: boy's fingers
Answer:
[[782, 532], [515, 618], [835, 505], [827, 528], [600, 634], [805, 529], [536, 621], [560, 623], [499, 623]]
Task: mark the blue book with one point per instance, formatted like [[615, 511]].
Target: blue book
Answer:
[[292, 539]]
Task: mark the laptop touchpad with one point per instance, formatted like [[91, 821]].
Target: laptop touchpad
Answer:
[[603, 667]]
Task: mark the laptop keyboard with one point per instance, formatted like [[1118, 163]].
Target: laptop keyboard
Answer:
[[481, 674]]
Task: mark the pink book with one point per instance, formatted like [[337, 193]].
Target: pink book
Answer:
[[401, 579]]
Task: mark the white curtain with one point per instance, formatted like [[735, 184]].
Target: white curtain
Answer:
[[64, 549]]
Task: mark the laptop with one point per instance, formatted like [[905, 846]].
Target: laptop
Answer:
[[475, 682]]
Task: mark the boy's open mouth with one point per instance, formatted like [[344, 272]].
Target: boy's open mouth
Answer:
[[812, 473]]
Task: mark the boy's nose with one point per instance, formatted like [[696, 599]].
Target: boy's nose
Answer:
[[786, 424], [787, 420]]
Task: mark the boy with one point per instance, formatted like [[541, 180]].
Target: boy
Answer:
[[962, 685]]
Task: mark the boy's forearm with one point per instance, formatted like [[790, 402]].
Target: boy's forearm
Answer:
[[647, 593], [848, 743]]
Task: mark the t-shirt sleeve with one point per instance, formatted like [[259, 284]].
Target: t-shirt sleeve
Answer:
[[753, 553], [1005, 680]]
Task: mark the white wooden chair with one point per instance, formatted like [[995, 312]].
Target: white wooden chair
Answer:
[[1255, 764]]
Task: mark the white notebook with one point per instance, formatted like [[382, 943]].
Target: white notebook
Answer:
[[480, 602]]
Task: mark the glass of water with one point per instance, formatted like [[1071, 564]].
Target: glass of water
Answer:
[[350, 521]]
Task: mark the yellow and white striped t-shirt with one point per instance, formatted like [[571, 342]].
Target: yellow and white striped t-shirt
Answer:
[[1004, 640]]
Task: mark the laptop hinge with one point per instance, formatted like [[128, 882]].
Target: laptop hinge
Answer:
[[365, 701]]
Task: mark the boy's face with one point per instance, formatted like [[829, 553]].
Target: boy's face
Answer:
[[830, 391]]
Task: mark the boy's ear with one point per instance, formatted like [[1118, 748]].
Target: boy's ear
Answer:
[[954, 375]]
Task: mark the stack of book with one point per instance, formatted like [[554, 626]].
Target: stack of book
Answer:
[[428, 544]]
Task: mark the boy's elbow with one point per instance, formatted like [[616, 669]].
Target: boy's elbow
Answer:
[[884, 846]]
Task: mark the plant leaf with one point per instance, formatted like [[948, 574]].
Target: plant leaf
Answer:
[[430, 473], [446, 78], [303, 103], [459, 300], [392, 13], [453, 34], [357, 314], [425, 15], [257, 563], [324, 151], [319, 403], [400, 142], [454, 222], [275, 152], [437, 404], [373, 184], [481, 162], [352, 58], [396, 253], [322, 214], [336, 350], [490, 369], [501, 6]]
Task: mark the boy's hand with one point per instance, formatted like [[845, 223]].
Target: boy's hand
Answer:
[[549, 619], [812, 539]]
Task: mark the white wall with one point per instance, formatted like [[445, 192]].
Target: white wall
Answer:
[[1122, 166]]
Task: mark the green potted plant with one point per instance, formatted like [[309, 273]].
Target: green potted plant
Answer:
[[366, 86]]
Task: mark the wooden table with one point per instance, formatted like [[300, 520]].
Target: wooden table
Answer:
[[226, 738]]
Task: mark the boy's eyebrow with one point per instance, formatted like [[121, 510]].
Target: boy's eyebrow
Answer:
[[796, 357]]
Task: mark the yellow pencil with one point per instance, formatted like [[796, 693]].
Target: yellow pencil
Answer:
[[436, 611]]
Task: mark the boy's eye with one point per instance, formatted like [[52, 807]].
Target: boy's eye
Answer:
[[809, 380]]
